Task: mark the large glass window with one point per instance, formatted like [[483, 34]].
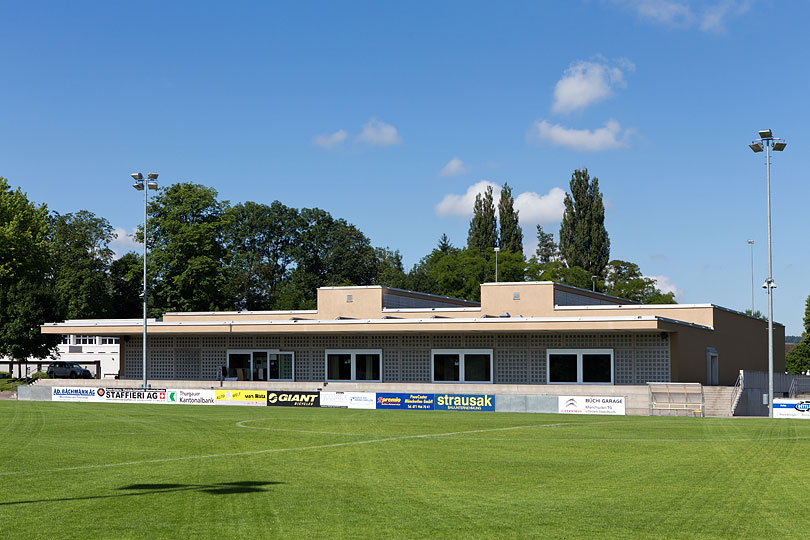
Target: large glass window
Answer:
[[354, 365], [462, 365], [587, 366], [85, 340], [260, 365]]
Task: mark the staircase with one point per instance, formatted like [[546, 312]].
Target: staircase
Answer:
[[717, 400]]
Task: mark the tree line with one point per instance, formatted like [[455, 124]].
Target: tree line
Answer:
[[208, 255]]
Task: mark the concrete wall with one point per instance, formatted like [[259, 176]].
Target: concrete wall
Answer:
[[508, 398], [519, 358]]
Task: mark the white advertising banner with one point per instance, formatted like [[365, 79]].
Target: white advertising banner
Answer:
[[131, 395], [362, 400], [591, 405], [791, 408], [191, 397], [335, 399], [349, 400], [59, 393]]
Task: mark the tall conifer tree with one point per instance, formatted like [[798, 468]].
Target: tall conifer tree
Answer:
[[483, 234], [584, 241], [511, 238]]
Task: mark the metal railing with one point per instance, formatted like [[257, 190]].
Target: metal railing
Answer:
[[736, 393], [799, 385]]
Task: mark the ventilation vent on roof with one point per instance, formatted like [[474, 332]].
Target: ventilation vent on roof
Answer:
[[349, 298], [516, 295]]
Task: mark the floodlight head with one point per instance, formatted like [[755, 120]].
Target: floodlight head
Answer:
[[756, 146], [136, 176], [751, 242], [765, 134], [152, 185], [497, 249], [152, 176], [778, 146], [138, 186]]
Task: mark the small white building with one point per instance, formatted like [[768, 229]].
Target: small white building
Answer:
[[86, 350]]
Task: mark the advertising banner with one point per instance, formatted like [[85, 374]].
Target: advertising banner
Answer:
[[131, 395], [423, 402], [241, 397], [362, 400], [191, 397], [74, 394], [591, 405], [339, 400], [293, 399], [465, 402], [791, 408]]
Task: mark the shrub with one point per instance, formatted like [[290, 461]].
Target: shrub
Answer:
[[5, 375], [40, 375]]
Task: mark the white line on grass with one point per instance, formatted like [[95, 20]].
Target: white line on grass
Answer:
[[275, 450], [241, 424]]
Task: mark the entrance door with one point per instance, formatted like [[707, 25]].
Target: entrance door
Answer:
[[259, 366], [712, 368], [239, 366]]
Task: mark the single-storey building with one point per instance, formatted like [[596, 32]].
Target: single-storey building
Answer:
[[524, 333]]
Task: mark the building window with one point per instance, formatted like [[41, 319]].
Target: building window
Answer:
[[461, 365], [260, 365], [65, 340], [85, 340], [354, 365], [580, 366], [109, 341]]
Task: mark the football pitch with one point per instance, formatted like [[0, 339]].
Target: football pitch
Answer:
[[88, 470]]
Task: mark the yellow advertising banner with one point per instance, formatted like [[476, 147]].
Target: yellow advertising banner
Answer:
[[241, 397]]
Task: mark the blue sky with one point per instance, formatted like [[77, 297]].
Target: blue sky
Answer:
[[393, 116]]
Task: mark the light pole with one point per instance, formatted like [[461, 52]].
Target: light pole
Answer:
[[765, 142], [140, 185], [751, 243], [497, 249]]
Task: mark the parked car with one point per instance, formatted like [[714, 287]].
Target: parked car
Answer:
[[72, 370]]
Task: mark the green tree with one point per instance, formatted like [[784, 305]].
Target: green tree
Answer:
[[390, 272], [798, 359], [260, 241], [126, 283], [26, 297], [584, 241], [328, 252], [625, 280], [547, 250], [187, 256], [511, 235], [80, 244], [483, 234]]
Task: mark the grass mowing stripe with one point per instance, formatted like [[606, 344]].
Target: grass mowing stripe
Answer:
[[270, 450]]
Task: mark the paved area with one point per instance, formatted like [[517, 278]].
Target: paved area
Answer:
[[8, 395]]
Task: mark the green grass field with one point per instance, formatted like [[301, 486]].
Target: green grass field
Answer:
[[95, 471]]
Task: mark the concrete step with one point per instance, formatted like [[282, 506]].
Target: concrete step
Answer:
[[717, 400]]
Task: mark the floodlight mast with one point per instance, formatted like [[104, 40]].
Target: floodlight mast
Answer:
[[766, 141], [145, 186]]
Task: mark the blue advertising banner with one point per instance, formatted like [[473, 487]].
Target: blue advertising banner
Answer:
[[405, 401], [465, 402]]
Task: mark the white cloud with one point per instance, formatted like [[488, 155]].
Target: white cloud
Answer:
[[536, 208], [609, 137], [533, 208], [378, 133], [685, 14], [462, 205], [454, 167], [664, 283], [585, 83], [330, 140], [125, 242]]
